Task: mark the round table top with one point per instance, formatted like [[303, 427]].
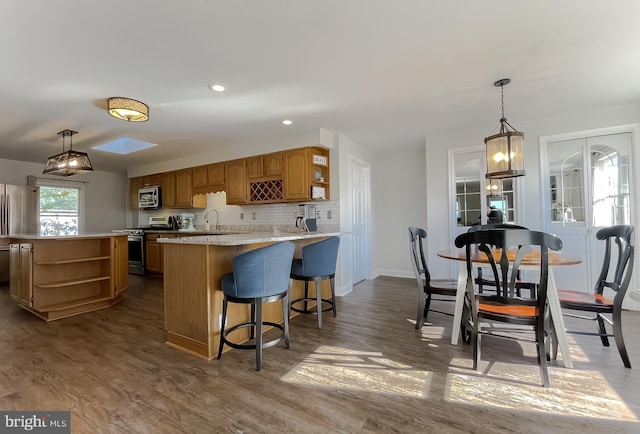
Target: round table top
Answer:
[[533, 258]]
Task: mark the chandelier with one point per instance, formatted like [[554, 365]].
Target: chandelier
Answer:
[[68, 163], [505, 158]]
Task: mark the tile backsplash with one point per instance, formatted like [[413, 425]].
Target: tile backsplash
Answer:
[[280, 216]]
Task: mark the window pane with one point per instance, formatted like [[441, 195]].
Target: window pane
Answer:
[[59, 210]]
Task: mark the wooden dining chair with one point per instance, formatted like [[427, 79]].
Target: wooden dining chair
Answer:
[[481, 280], [427, 287], [614, 278], [504, 251]]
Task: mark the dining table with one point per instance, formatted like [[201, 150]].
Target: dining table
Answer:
[[531, 261]]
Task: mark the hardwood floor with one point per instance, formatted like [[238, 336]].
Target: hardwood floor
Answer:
[[367, 371]]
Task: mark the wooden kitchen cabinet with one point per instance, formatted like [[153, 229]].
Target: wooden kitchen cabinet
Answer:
[[254, 167], [199, 176], [184, 188], [264, 166], [56, 278], [209, 178], [296, 174], [120, 265], [169, 190], [20, 273], [135, 184], [304, 169], [272, 164], [216, 176], [154, 253], [237, 187], [152, 180]]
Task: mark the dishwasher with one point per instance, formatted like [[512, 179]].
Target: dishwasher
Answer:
[[4, 264]]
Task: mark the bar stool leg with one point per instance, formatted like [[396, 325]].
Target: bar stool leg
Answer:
[[285, 319], [318, 301], [333, 296], [258, 325], [224, 321], [252, 330]]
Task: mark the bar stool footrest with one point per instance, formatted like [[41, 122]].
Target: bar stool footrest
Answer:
[[314, 310], [267, 344]]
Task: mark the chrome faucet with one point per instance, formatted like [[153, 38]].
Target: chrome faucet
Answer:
[[206, 217]]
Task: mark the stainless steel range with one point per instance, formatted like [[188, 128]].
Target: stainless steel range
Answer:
[[137, 244]]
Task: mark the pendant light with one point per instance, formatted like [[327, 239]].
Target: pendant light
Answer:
[[505, 157], [68, 163]]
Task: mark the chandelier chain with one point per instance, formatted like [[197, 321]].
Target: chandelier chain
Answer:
[[502, 99]]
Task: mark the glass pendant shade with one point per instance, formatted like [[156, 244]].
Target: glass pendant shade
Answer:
[[68, 163], [505, 158], [128, 109], [505, 153]]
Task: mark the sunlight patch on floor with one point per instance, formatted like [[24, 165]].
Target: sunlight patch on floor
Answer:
[[342, 368], [573, 392]]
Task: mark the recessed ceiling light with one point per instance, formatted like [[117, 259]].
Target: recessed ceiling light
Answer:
[[287, 122], [217, 87]]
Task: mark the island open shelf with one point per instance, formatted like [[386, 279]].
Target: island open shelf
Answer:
[[55, 278]]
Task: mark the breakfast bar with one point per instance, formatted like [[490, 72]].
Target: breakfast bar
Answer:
[[193, 267]]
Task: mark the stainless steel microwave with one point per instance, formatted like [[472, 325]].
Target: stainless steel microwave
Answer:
[[149, 198]]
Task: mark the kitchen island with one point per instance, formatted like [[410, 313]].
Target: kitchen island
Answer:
[[193, 267], [55, 277]]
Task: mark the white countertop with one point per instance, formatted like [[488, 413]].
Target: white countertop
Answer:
[[62, 237], [246, 238]]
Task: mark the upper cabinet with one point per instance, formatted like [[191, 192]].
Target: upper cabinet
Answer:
[[289, 176], [135, 184], [184, 188], [236, 174], [296, 174], [152, 180], [306, 174], [209, 178], [254, 167], [169, 189], [265, 166], [199, 176]]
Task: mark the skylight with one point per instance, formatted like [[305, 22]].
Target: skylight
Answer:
[[124, 145]]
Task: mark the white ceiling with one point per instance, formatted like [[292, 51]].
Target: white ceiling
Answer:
[[386, 73]]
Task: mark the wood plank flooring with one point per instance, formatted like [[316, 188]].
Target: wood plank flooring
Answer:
[[367, 371]]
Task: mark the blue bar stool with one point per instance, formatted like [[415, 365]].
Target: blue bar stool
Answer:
[[259, 276], [318, 263]]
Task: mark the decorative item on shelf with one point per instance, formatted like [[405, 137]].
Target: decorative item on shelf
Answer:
[[68, 163], [320, 159], [128, 109], [505, 158]]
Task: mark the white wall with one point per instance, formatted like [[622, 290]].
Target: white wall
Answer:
[[104, 193], [399, 201]]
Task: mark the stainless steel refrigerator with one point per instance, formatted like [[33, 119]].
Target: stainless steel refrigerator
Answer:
[[18, 215]]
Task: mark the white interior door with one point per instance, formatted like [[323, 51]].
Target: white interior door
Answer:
[[588, 188], [359, 176]]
